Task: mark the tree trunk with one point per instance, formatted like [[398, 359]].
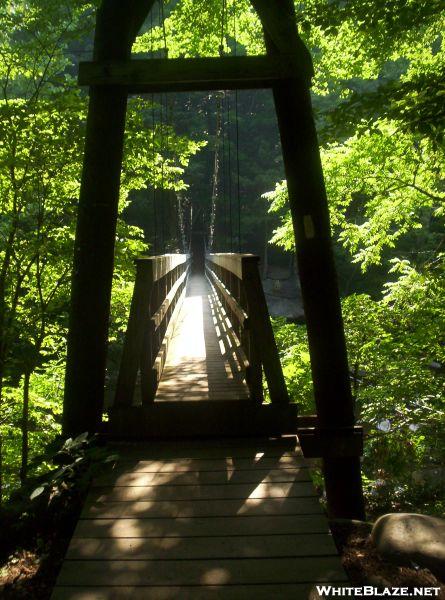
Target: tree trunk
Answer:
[[25, 429], [1, 440]]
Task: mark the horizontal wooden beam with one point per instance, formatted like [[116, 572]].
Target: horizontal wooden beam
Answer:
[[189, 74], [335, 442], [159, 266], [204, 418]]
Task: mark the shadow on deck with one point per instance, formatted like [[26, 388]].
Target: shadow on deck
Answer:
[[223, 519], [201, 362]]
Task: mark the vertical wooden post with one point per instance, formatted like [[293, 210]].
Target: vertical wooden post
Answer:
[[310, 217], [93, 261], [116, 26], [149, 375], [254, 374], [261, 334], [136, 342]]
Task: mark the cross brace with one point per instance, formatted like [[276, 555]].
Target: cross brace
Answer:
[[189, 74], [333, 442]]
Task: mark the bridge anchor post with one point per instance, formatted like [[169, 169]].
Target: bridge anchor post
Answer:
[[116, 27], [316, 266]]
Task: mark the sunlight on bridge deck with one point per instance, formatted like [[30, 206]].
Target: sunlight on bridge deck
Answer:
[[221, 519], [201, 361]]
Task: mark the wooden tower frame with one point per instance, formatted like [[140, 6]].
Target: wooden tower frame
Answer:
[[287, 69]]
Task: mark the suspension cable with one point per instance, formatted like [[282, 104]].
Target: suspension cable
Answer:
[[224, 174], [215, 182], [164, 120], [223, 27], [164, 33], [229, 167], [153, 147], [238, 196], [226, 125]]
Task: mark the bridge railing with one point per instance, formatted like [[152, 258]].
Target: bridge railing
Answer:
[[236, 281], [158, 291]]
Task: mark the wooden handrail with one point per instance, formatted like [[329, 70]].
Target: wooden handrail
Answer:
[[233, 262], [236, 281], [163, 264], [158, 292]]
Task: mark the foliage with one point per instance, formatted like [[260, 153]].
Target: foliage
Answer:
[[397, 358], [378, 97], [380, 119], [42, 513], [295, 360], [202, 28], [76, 461], [42, 116]]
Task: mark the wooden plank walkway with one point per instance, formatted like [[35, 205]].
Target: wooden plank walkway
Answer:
[[202, 391], [201, 363], [228, 519]]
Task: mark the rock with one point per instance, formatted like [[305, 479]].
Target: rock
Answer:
[[432, 476], [407, 538], [378, 582]]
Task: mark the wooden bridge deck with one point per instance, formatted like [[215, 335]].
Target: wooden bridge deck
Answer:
[[193, 520], [201, 363], [221, 518]]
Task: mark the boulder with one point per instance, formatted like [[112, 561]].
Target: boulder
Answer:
[[408, 538]]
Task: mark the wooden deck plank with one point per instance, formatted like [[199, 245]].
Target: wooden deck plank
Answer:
[[204, 572], [203, 452], [200, 364], [290, 591], [208, 519], [190, 477], [257, 444], [205, 492], [201, 526], [227, 465], [208, 508], [253, 546]]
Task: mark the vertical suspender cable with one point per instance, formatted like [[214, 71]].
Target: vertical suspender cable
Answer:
[[229, 166], [223, 25], [237, 145], [155, 215], [227, 159], [224, 174], [163, 118], [215, 183], [153, 127], [161, 109], [238, 186], [229, 144]]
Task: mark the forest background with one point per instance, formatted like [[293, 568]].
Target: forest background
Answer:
[[379, 98]]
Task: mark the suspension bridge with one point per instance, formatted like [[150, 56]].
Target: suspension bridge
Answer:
[[211, 495], [220, 503]]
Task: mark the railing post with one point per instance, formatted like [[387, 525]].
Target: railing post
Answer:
[[316, 266], [254, 372], [150, 315], [261, 330], [135, 345], [149, 379]]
